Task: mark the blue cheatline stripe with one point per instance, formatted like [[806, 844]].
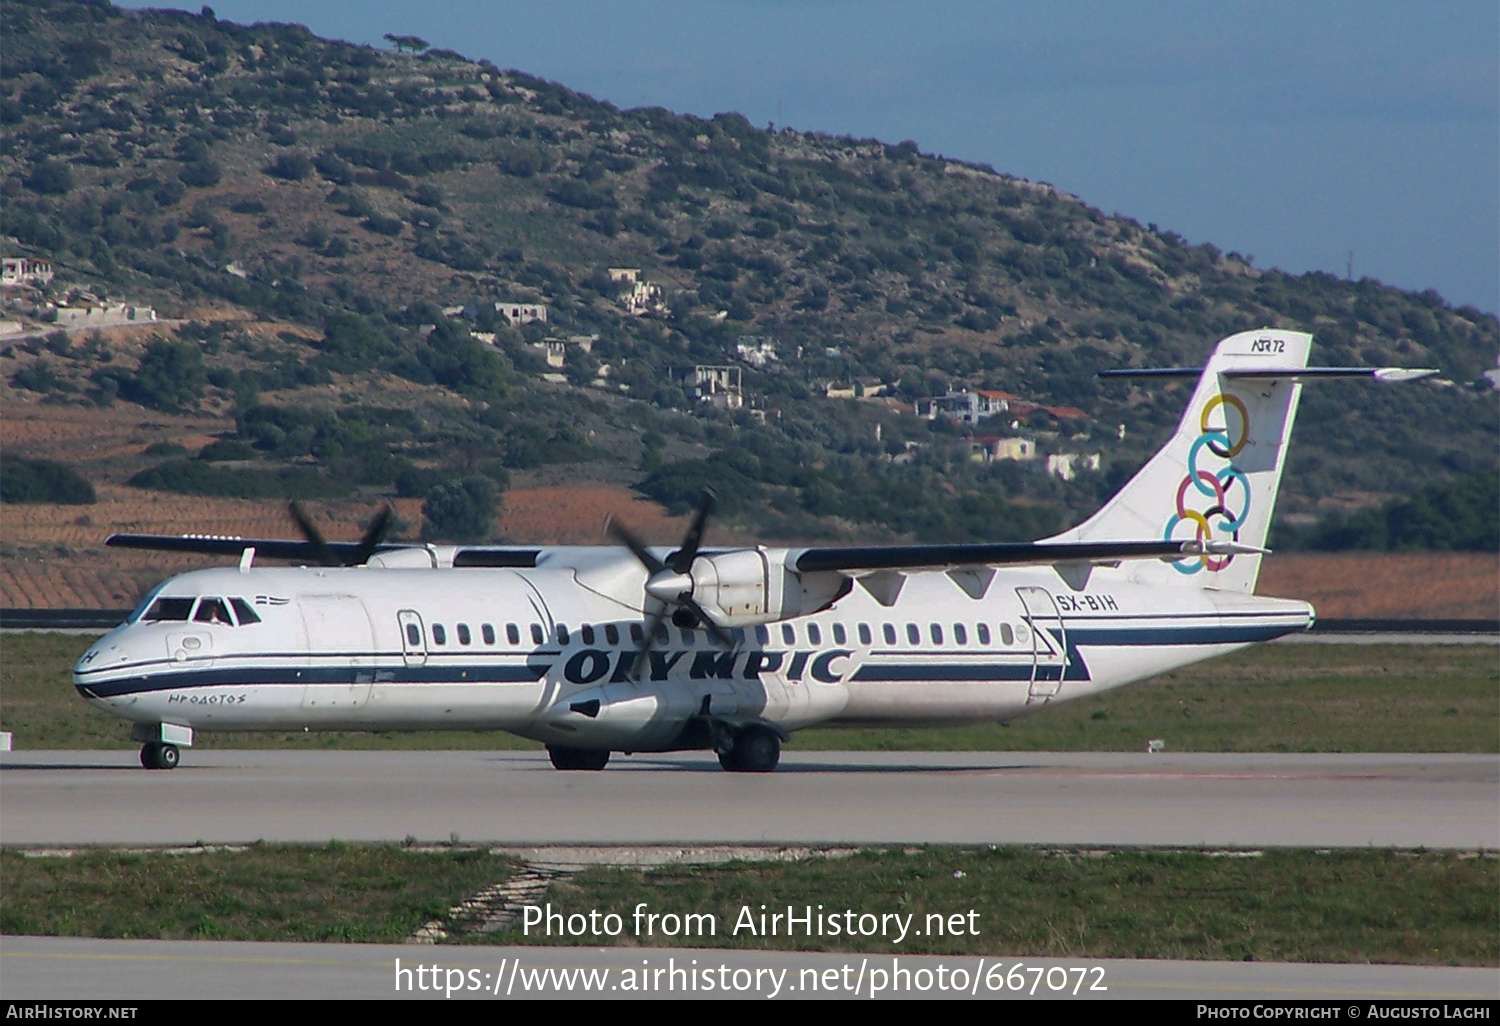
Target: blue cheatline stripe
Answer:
[[937, 671], [346, 675], [1226, 635]]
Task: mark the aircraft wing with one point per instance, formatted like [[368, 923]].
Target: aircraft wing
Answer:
[[926, 557], [306, 552], [221, 545]]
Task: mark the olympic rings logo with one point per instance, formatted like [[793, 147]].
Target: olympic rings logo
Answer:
[[1215, 492]]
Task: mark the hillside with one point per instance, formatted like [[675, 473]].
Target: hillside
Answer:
[[299, 212]]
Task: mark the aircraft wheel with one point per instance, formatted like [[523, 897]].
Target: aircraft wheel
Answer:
[[730, 760], [151, 755], [756, 750], [578, 758], [167, 757]]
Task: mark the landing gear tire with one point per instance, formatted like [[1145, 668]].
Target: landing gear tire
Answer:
[[156, 755], [578, 758], [756, 750]]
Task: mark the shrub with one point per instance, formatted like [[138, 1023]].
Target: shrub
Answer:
[[24, 480]]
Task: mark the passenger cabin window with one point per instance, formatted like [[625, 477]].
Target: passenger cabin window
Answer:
[[814, 634], [788, 635], [937, 634], [512, 634], [588, 634], [413, 636], [487, 631], [1007, 636], [865, 637], [763, 635], [537, 637], [688, 637], [888, 631], [169, 609], [913, 634], [243, 612], [439, 634], [840, 636], [637, 635], [464, 637], [984, 633], [612, 634], [562, 634], [960, 635]]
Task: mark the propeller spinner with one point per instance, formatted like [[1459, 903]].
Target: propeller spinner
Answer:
[[670, 581]]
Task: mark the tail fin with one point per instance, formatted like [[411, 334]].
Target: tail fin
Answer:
[[1216, 479]]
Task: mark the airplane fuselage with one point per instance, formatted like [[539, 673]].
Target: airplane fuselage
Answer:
[[533, 653]]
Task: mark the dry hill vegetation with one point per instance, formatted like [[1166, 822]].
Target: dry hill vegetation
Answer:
[[300, 211]]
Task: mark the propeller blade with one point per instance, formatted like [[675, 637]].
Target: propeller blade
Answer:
[[651, 627], [682, 560], [373, 535], [312, 534], [719, 633], [631, 542]]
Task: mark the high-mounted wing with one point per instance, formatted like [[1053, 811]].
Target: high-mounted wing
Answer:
[[924, 557]]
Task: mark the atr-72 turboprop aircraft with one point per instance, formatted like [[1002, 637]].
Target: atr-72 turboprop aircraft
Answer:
[[592, 650]]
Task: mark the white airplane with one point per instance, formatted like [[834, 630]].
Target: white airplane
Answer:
[[593, 650]]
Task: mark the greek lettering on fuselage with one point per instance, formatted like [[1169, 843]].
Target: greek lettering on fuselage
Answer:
[[591, 665]]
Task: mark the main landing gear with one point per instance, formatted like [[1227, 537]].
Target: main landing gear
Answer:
[[754, 750], [578, 758], [158, 755]]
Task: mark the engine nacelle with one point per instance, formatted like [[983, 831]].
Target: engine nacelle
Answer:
[[744, 587]]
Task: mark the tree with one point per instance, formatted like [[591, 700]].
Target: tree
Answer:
[[416, 44], [462, 510], [171, 377]]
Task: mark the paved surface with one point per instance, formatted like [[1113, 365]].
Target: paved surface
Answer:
[[1433, 801], [50, 967]]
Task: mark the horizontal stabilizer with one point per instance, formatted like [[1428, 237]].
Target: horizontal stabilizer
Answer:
[[922, 557], [1299, 374]]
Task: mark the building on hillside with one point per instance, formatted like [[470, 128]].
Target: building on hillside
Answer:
[[101, 316], [522, 313], [553, 350], [965, 406], [756, 350], [989, 448], [1068, 465], [716, 386], [637, 296], [864, 388], [25, 271]]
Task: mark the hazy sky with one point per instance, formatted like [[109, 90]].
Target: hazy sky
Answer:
[[1293, 131]]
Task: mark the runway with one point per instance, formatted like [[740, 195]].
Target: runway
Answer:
[[516, 798]]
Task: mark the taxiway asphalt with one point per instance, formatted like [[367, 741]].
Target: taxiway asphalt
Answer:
[[516, 798]]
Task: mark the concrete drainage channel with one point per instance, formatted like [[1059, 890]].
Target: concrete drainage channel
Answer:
[[495, 908]]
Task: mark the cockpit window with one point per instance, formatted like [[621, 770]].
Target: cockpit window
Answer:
[[145, 603], [243, 611], [169, 609], [213, 610]]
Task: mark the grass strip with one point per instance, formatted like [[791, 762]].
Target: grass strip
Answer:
[[1268, 698], [340, 892], [1417, 908], [1298, 906]]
